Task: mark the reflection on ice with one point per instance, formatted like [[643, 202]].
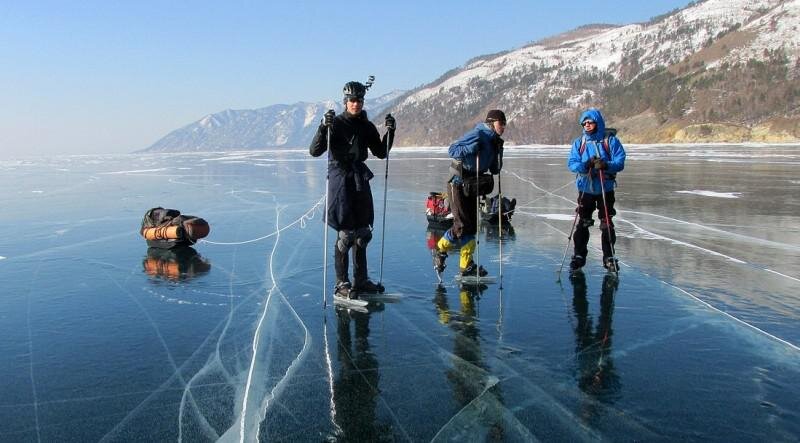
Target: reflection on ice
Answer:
[[175, 264], [597, 376], [355, 391]]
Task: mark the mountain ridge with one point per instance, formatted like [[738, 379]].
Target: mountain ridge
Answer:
[[713, 71], [545, 85], [279, 125]]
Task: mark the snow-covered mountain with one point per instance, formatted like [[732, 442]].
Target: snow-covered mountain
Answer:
[[272, 126], [729, 63], [716, 70]]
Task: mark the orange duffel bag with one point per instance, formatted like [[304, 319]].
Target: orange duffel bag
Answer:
[[168, 228]]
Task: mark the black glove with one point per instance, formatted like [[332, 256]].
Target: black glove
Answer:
[[599, 163], [327, 119], [498, 144], [589, 164], [389, 122]]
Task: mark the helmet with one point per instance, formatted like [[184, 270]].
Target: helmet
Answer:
[[354, 89]]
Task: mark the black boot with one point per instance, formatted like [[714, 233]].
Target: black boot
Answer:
[[473, 270], [368, 287], [438, 260], [611, 264], [577, 262], [344, 290]]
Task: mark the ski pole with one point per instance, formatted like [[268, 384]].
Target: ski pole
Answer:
[[605, 210], [385, 188], [569, 237], [325, 235]]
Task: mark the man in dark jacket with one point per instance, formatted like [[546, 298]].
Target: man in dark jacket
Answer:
[[350, 208], [477, 152]]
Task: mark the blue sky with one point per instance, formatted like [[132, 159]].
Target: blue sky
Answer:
[[114, 76]]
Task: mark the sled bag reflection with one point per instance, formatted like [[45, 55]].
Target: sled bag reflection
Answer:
[[168, 228]]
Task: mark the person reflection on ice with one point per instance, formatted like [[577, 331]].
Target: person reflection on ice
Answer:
[[596, 375], [355, 390], [469, 376]]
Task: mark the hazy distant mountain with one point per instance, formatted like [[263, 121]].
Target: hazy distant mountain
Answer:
[[272, 126], [717, 70]]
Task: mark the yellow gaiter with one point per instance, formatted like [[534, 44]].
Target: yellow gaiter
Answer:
[[466, 253]]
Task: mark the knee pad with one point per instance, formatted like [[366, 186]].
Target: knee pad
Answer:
[[605, 225], [363, 236], [345, 240], [586, 222]]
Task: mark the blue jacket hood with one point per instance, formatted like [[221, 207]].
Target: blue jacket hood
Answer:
[[485, 128], [594, 114]]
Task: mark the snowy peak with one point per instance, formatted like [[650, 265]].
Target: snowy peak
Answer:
[[272, 126]]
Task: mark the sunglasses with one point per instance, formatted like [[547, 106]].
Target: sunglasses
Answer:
[[355, 99], [588, 122]]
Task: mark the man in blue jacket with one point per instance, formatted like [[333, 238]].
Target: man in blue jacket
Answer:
[[476, 153], [597, 152], [350, 211]]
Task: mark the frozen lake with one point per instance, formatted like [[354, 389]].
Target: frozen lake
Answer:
[[697, 339]]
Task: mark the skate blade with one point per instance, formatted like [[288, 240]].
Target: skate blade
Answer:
[[383, 297], [474, 280], [349, 302]]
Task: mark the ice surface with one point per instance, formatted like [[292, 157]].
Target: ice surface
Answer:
[[103, 339], [712, 193]]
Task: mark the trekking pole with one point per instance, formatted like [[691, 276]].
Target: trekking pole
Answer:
[[385, 188], [569, 237], [500, 219], [478, 217], [605, 209], [499, 325], [325, 235]]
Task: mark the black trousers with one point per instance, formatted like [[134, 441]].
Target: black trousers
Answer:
[[359, 264], [587, 203], [350, 209]]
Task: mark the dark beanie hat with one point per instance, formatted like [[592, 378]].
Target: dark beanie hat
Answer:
[[496, 114]]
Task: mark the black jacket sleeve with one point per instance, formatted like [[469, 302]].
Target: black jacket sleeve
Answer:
[[390, 136], [497, 162], [320, 143], [376, 145]]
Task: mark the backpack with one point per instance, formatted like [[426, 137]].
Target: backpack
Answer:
[[490, 208], [436, 205], [610, 132]]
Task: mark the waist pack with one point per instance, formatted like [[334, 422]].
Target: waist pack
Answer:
[[481, 184]]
